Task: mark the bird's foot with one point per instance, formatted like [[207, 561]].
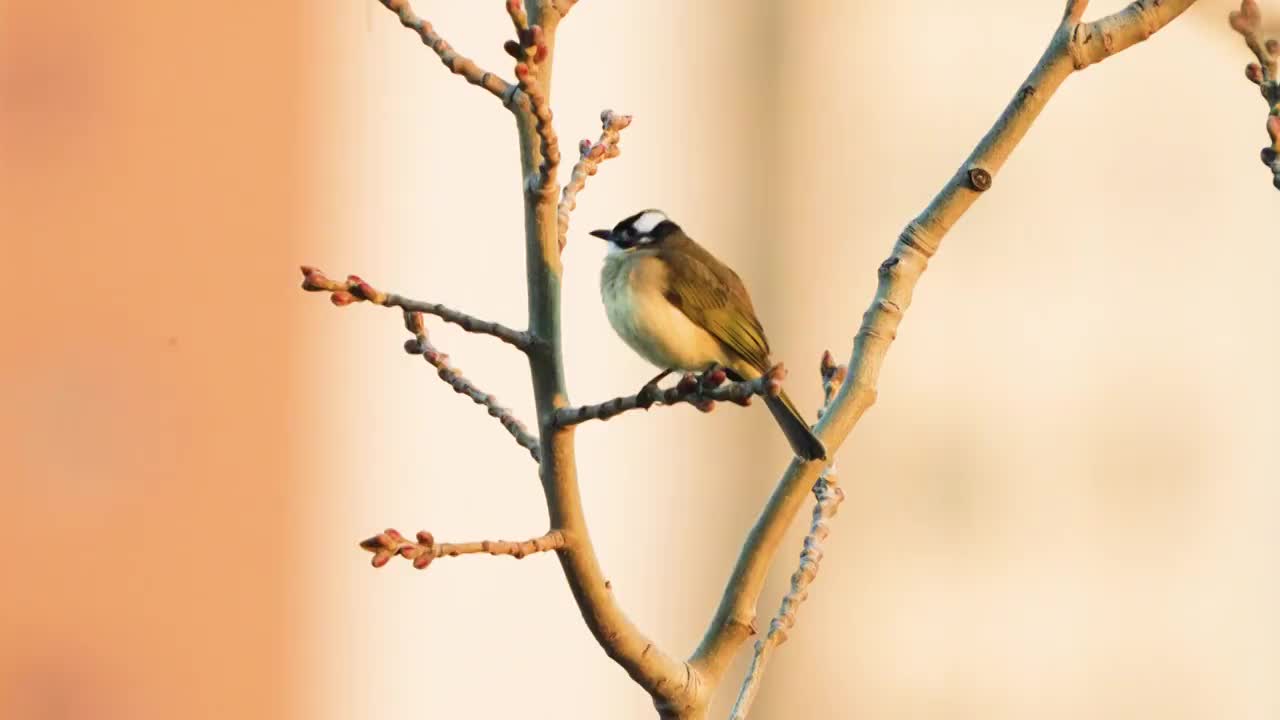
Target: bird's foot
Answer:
[[711, 378], [650, 392]]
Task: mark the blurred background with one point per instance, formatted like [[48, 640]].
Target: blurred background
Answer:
[[1063, 505]]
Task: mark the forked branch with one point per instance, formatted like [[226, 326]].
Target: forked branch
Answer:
[[354, 290], [452, 376], [1074, 46]]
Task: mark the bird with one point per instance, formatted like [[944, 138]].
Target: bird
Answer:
[[681, 309]]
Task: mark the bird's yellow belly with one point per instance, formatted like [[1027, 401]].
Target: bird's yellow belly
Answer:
[[657, 330]]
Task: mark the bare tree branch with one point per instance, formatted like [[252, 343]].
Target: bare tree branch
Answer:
[[355, 290], [453, 377], [683, 689], [1248, 22], [828, 497], [591, 155], [456, 63], [702, 394], [1075, 45], [390, 543]]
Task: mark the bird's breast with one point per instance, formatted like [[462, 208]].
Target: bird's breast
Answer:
[[632, 287]]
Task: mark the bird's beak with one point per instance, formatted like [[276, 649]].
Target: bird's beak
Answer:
[[602, 234]]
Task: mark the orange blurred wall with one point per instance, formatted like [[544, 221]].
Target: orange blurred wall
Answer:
[[148, 221]]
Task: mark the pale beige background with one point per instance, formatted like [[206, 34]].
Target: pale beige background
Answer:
[[1063, 506]]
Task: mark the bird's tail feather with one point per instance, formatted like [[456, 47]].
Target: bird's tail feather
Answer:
[[803, 442]]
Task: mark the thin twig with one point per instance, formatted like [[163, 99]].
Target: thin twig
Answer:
[[591, 155], [1248, 22], [690, 390], [420, 345], [1074, 45], [355, 290], [390, 543], [456, 63], [828, 498]]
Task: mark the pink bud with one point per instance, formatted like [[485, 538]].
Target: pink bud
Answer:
[[1253, 71], [1247, 19]]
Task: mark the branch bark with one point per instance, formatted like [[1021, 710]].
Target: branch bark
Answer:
[[1074, 46], [669, 680]]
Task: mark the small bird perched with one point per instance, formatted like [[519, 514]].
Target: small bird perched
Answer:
[[682, 309]]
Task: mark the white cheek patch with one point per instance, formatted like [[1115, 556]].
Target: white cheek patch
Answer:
[[648, 221]]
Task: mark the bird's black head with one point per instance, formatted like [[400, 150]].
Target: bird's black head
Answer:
[[644, 229]]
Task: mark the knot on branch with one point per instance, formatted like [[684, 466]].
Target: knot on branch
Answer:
[[979, 179]]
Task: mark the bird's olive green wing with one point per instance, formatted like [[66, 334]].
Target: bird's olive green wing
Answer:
[[713, 297]]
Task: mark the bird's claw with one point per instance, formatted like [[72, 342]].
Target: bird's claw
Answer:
[[648, 395]]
